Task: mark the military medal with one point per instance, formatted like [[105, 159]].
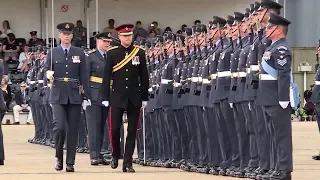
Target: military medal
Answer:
[[76, 59]]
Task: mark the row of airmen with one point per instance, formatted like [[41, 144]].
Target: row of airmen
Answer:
[[220, 97], [38, 98]]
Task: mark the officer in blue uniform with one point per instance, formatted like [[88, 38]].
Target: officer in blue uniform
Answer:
[[274, 94], [34, 40], [66, 69], [126, 67], [2, 110], [97, 113]]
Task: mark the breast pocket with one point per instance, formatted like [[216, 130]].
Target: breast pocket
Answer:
[[58, 67]]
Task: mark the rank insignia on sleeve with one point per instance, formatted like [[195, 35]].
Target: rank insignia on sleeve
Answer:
[[282, 62]]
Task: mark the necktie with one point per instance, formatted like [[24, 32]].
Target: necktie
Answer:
[[66, 52], [104, 56]]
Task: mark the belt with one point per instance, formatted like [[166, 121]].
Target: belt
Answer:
[[266, 77], [234, 74], [166, 81], [95, 79], [205, 81], [65, 79], [242, 74], [317, 83], [40, 81], [254, 67], [176, 84], [224, 74], [33, 82], [213, 76]]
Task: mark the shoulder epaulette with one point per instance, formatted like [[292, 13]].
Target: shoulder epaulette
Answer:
[[91, 51], [140, 47], [114, 47]]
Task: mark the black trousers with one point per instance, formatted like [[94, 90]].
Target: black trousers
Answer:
[[1, 139], [115, 122], [66, 122]]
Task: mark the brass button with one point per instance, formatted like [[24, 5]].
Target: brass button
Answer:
[[66, 65], [66, 72], [126, 87], [126, 79], [127, 70]]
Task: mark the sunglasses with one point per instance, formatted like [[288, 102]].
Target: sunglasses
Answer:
[[22, 86]]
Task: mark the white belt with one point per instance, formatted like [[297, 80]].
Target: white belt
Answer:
[[213, 76], [267, 77], [254, 67], [200, 79], [40, 81], [224, 74], [234, 74], [32, 82], [248, 70], [45, 86], [188, 79], [317, 83], [177, 84], [205, 81], [154, 86], [242, 74], [165, 81], [150, 89], [194, 79]]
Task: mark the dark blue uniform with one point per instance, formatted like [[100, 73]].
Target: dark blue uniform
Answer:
[[2, 110]]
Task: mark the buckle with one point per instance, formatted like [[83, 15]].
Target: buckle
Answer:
[[65, 79]]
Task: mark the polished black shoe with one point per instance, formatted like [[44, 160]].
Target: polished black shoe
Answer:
[[105, 162], [248, 171], [128, 168], [114, 163], [280, 175], [96, 162], [316, 157], [69, 168], [265, 176], [59, 165], [214, 171], [240, 172], [222, 171], [1, 162]]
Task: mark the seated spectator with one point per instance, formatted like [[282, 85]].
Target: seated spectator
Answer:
[[24, 59], [6, 90], [152, 34], [21, 104], [168, 29], [154, 27], [5, 29], [111, 29], [11, 48], [139, 31]]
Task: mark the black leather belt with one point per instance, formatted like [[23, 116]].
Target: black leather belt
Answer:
[[65, 79]]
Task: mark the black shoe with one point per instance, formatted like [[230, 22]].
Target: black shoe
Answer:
[[105, 162], [316, 157], [1, 162], [283, 175], [265, 176], [69, 168], [16, 123], [96, 162], [114, 163], [222, 171], [240, 173], [214, 171], [59, 165], [128, 168]]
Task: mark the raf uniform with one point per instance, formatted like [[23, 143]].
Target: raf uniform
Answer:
[[274, 96], [70, 74], [33, 42], [97, 113], [126, 67]]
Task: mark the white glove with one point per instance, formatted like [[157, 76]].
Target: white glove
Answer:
[[50, 74], [105, 103], [249, 106], [231, 105], [284, 104], [144, 104], [86, 103]]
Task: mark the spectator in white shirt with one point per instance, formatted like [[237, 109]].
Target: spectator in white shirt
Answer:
[[5, 29], [24, 59]]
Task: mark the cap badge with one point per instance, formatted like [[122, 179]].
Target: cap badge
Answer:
[[109, 35], [67, 26]]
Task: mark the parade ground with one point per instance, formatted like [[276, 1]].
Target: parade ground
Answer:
[[25, 161]]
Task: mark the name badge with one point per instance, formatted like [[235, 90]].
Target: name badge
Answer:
[[135, 60], [76, 59]]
